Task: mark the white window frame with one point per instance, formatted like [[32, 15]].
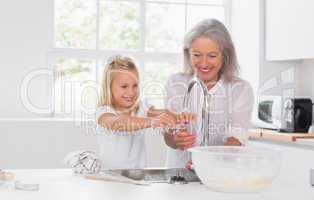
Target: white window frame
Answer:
[[99, 54]]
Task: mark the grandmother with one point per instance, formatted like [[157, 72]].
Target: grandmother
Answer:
[[209, 54]]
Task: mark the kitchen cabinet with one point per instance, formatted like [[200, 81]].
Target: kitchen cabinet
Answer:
[[289, 29]]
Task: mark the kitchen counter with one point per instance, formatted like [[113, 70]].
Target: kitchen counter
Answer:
[[272, 135], [293, 182], [302, 140], [60, 184]]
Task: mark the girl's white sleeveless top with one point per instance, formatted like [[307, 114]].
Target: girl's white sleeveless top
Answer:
[[121, 149]]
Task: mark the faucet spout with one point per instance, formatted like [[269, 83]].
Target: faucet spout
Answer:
[[205, 107]]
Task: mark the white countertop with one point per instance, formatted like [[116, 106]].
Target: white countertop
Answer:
[[60, 184], [306, 142]]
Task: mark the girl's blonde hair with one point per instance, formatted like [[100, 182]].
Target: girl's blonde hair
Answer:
[[116, 64]]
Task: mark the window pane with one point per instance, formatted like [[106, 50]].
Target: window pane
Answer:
[[75, 87], [154, 77], [119, 25], [75, 24], [198, 13], [216, 2], [100, 70], [120, 28], [164, 29]]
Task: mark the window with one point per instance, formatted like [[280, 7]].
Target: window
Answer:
[[87, 32]]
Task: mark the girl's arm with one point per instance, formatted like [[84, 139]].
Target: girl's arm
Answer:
[[132, 123], [183, 117], [152, 112]]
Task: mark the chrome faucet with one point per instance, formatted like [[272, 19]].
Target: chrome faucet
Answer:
[[205, 107], [178, 179]]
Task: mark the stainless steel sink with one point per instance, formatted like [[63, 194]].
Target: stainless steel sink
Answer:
[[155, 175]]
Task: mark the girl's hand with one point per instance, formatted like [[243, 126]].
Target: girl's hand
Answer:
[[186, 117], [165, 119], [184, 140]]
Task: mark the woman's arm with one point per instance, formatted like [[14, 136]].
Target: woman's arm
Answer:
[[232, 141], [175, 91], [242, 105]]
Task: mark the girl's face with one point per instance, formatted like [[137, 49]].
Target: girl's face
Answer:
[[124, 89], [206, 59]]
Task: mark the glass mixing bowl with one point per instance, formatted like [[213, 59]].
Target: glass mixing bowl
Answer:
[[236, 169]]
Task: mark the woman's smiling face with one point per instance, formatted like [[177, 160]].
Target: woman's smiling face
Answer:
[[206, 59]]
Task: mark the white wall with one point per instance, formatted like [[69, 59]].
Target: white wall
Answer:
[[44, 143], [27, 143], [248, 30], [274, 70], [306, 77], [25, 38]]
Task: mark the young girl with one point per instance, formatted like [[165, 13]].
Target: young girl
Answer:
[[122, 119]]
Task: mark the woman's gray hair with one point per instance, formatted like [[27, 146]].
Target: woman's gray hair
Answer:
[[216, 31]]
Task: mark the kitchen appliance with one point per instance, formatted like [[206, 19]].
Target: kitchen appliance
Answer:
[[284, 114]]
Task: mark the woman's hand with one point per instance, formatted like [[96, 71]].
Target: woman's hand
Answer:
[[185, 117], [184, 140], [232, 141]]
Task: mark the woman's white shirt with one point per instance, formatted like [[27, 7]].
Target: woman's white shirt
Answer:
[[122, 149], [230, 111]]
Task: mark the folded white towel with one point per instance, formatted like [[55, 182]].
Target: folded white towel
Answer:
[[83, 162]]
